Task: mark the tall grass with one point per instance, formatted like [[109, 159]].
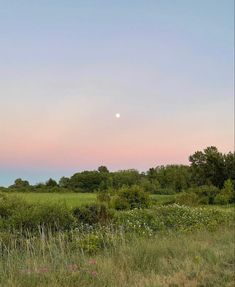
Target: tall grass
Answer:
[[200, 258], [71, 199]]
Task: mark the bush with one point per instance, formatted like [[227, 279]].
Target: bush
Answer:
[[16, 214], [119, 203], [226, 195], [103, 196], [187, 198], [165, 191], [222, 198], [189, 218], [131, 197], [92, 214], [172, 217], [206, 193]]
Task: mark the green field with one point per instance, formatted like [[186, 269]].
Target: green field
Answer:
[[160, 246], [73, 199], [70, 199], [173, 260]]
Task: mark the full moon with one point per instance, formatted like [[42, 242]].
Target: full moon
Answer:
[[117, 115]]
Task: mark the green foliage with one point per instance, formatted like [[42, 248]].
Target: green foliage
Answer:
[[20, 185], [119, 203], [171, 177], [103, 196], [150, 186], [172, 217], [227, 194], [87, 181], [92, 214], [64, 182], [125, 177], [187, 198], [212, 167], [208, 167], [103, 169], [130, 198], [205, 260], [51, 183], [17, 214], [205, 194], [165, 191]]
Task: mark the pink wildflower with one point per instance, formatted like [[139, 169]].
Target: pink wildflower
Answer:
[[92, 262], [42, 270], [94, 273], [72, 267]]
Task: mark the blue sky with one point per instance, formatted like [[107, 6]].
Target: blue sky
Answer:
[[68, 66]]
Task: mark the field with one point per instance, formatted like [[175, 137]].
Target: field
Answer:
[[72, 199], [160, 246], [195, 259]]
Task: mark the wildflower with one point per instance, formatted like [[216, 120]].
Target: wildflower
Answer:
[[72, 267], [94, 273], [92, 262], [42, 270]]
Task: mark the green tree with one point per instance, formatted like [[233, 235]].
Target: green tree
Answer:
[[19, 183], [103, 169], [131, 197], [51, 183], [64, 182], [208, 167]]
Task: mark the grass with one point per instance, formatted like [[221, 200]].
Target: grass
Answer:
[[72, 199], [168, 246], [195, 259]]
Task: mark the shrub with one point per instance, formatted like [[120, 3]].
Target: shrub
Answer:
[[165, 191], [172, 217], [103, 196], [119, 203], [226, 195], [222, 199], [189, 218], [131, 197], [92, 214], [206, 193], [16, 214], [187, 198]]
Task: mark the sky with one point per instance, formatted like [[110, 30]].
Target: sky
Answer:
[[67, 67]]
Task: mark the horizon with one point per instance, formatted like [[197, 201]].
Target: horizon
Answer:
[[125, 85]]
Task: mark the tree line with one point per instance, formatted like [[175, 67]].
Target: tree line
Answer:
[[207, 167]]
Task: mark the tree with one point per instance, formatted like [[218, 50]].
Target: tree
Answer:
[[51, 183], [64, 182], [227, 193], [131, 197], [230, 166], [87, 181], [174, 177], [19, 183], [103, 169], [208, 167]]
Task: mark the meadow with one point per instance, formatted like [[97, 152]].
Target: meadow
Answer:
[[71, 199], [163, 245], [172, 226], [175, 259]]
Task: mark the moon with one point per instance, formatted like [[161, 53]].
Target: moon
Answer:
[[117, 115]]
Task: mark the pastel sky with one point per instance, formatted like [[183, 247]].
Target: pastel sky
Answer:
[[66, 68]]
